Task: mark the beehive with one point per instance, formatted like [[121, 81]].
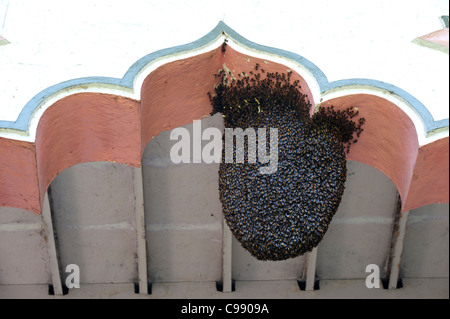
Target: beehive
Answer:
[[284, 214]]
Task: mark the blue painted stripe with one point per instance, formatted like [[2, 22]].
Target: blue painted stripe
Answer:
[[23, 120], [132, 72]]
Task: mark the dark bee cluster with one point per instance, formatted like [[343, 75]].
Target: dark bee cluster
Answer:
[[341, 120], [285, 214], [242, 98]]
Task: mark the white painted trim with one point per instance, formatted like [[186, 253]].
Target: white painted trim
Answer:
[[311, 261]]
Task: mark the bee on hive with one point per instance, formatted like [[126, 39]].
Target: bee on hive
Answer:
[[284, 214]]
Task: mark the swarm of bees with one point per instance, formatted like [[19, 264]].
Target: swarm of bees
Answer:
[[285, 214]]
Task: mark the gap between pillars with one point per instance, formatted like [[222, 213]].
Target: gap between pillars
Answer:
[[393, 279]]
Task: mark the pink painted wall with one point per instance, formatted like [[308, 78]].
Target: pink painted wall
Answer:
[[18, 175], [87, 127], [430, 179], [389, 141], [176, 93]]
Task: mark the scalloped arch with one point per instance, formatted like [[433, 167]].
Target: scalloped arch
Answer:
[[109, 119]]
